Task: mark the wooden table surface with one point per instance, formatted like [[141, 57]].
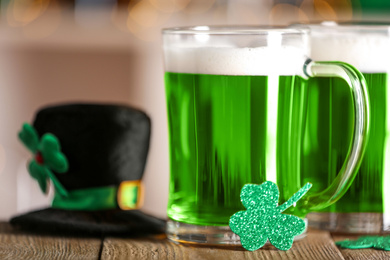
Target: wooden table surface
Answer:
[[16, 244]]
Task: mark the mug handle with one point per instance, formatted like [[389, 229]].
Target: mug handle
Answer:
[[348, 171]]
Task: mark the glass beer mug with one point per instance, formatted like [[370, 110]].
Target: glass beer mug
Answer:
[[237, 102], [365, 208]]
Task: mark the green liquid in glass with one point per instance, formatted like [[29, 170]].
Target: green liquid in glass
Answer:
[[328, 135], [227, 131]]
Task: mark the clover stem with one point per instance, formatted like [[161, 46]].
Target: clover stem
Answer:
[[294, 198], [57, 185]]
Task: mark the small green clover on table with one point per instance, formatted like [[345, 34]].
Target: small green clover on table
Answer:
[[263, 219], [48, 157], [378, 242]]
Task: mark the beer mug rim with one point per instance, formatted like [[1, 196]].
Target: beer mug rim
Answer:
[[235, 30], [368, 27]]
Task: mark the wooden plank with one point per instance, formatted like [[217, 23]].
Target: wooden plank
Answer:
[[361, 254], [317, 245], [15, 244]]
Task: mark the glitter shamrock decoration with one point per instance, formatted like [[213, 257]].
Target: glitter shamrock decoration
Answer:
[[263, 219], [378, 242], [48, 157]]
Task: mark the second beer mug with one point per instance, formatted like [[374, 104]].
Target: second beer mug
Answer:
[[237, 103], [365, 208]]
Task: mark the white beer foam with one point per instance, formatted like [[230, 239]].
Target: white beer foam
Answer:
[[368, 53], [235, 61]]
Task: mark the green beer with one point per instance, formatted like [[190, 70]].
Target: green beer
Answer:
[[222, 132], [237, 106]]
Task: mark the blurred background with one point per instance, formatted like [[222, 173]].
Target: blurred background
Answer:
[[54, 51]]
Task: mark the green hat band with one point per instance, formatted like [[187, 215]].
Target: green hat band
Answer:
[[127, 196]]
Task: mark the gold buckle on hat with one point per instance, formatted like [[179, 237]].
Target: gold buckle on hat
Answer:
[[130, 195]]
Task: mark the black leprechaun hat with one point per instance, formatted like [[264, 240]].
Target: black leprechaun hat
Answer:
[[94, 155]]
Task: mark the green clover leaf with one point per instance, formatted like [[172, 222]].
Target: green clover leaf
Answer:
[[263, 219], [378, 242], [48, 157], [37, 171], [29, 137], [51, 152]]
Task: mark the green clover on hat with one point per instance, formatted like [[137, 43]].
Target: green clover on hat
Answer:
[[48, 157]]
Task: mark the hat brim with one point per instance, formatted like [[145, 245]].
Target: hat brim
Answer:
[[90, 223]]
